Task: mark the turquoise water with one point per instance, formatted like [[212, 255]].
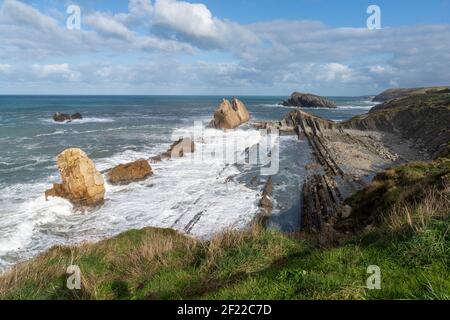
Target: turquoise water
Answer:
[[118, 129]]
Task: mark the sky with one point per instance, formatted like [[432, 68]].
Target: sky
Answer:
[[222, 47]]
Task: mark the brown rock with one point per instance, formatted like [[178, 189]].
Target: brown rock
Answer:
[[230, 115], [82, 184], [180, 148], [127, 173]]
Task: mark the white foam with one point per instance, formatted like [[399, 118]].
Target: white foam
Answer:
[[356, 107], [82, 121], [188, 194]]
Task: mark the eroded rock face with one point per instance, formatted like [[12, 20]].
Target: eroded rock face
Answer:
[[130, 172], [82, 183], [307, 100], [230, 115]]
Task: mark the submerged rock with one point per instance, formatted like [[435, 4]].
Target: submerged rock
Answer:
[[127, 173], [82, 183], [230, 115], [63, 117], [307, 100]]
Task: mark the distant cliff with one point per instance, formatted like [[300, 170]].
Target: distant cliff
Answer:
[[421, 118], [403, 92], [307, 100]]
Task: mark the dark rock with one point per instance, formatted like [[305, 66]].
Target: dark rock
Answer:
[[76, 116], [307, 100], [63, 117]]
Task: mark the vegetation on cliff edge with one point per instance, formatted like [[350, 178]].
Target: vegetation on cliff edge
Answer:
[[411, 245]]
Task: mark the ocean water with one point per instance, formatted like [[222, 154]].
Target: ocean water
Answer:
[[198, 196]]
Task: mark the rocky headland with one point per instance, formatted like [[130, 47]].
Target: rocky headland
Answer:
[[350, 154], [396, 93]]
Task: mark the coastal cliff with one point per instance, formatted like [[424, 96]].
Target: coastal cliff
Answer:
[[422, 119], [405, 92]]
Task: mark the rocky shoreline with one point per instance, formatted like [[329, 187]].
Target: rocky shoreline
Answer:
[[347, 156]]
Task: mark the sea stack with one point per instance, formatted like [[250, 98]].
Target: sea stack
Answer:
[[82, 183], [230, 115], [307, 100]]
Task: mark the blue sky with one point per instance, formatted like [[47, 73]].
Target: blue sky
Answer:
[[223, 47]]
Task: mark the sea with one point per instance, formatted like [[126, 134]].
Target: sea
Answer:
[[199, 196]]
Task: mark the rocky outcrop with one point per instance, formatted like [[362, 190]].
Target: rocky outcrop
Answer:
[[404, 92], [423, 119], [307, 100], [179, 149], [82, 184], [230, 115], [63, 117], [126, 173], [265, 204]]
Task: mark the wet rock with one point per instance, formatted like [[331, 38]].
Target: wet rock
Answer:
[[265, 204], [180, 148], [155, 159], [63, 117], [230, 115], [82, 184], [76, 116], [126, 173]]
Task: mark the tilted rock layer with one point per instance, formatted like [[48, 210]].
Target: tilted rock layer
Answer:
[[127, 173], [82, 183], [230, 115]]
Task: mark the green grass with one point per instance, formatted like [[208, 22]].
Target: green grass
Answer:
[[259, 264], [410, 242]]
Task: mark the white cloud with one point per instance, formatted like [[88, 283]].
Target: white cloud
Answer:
[[195, 22], [167, 44], [4, 68], [107, 25], [55, 72]]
